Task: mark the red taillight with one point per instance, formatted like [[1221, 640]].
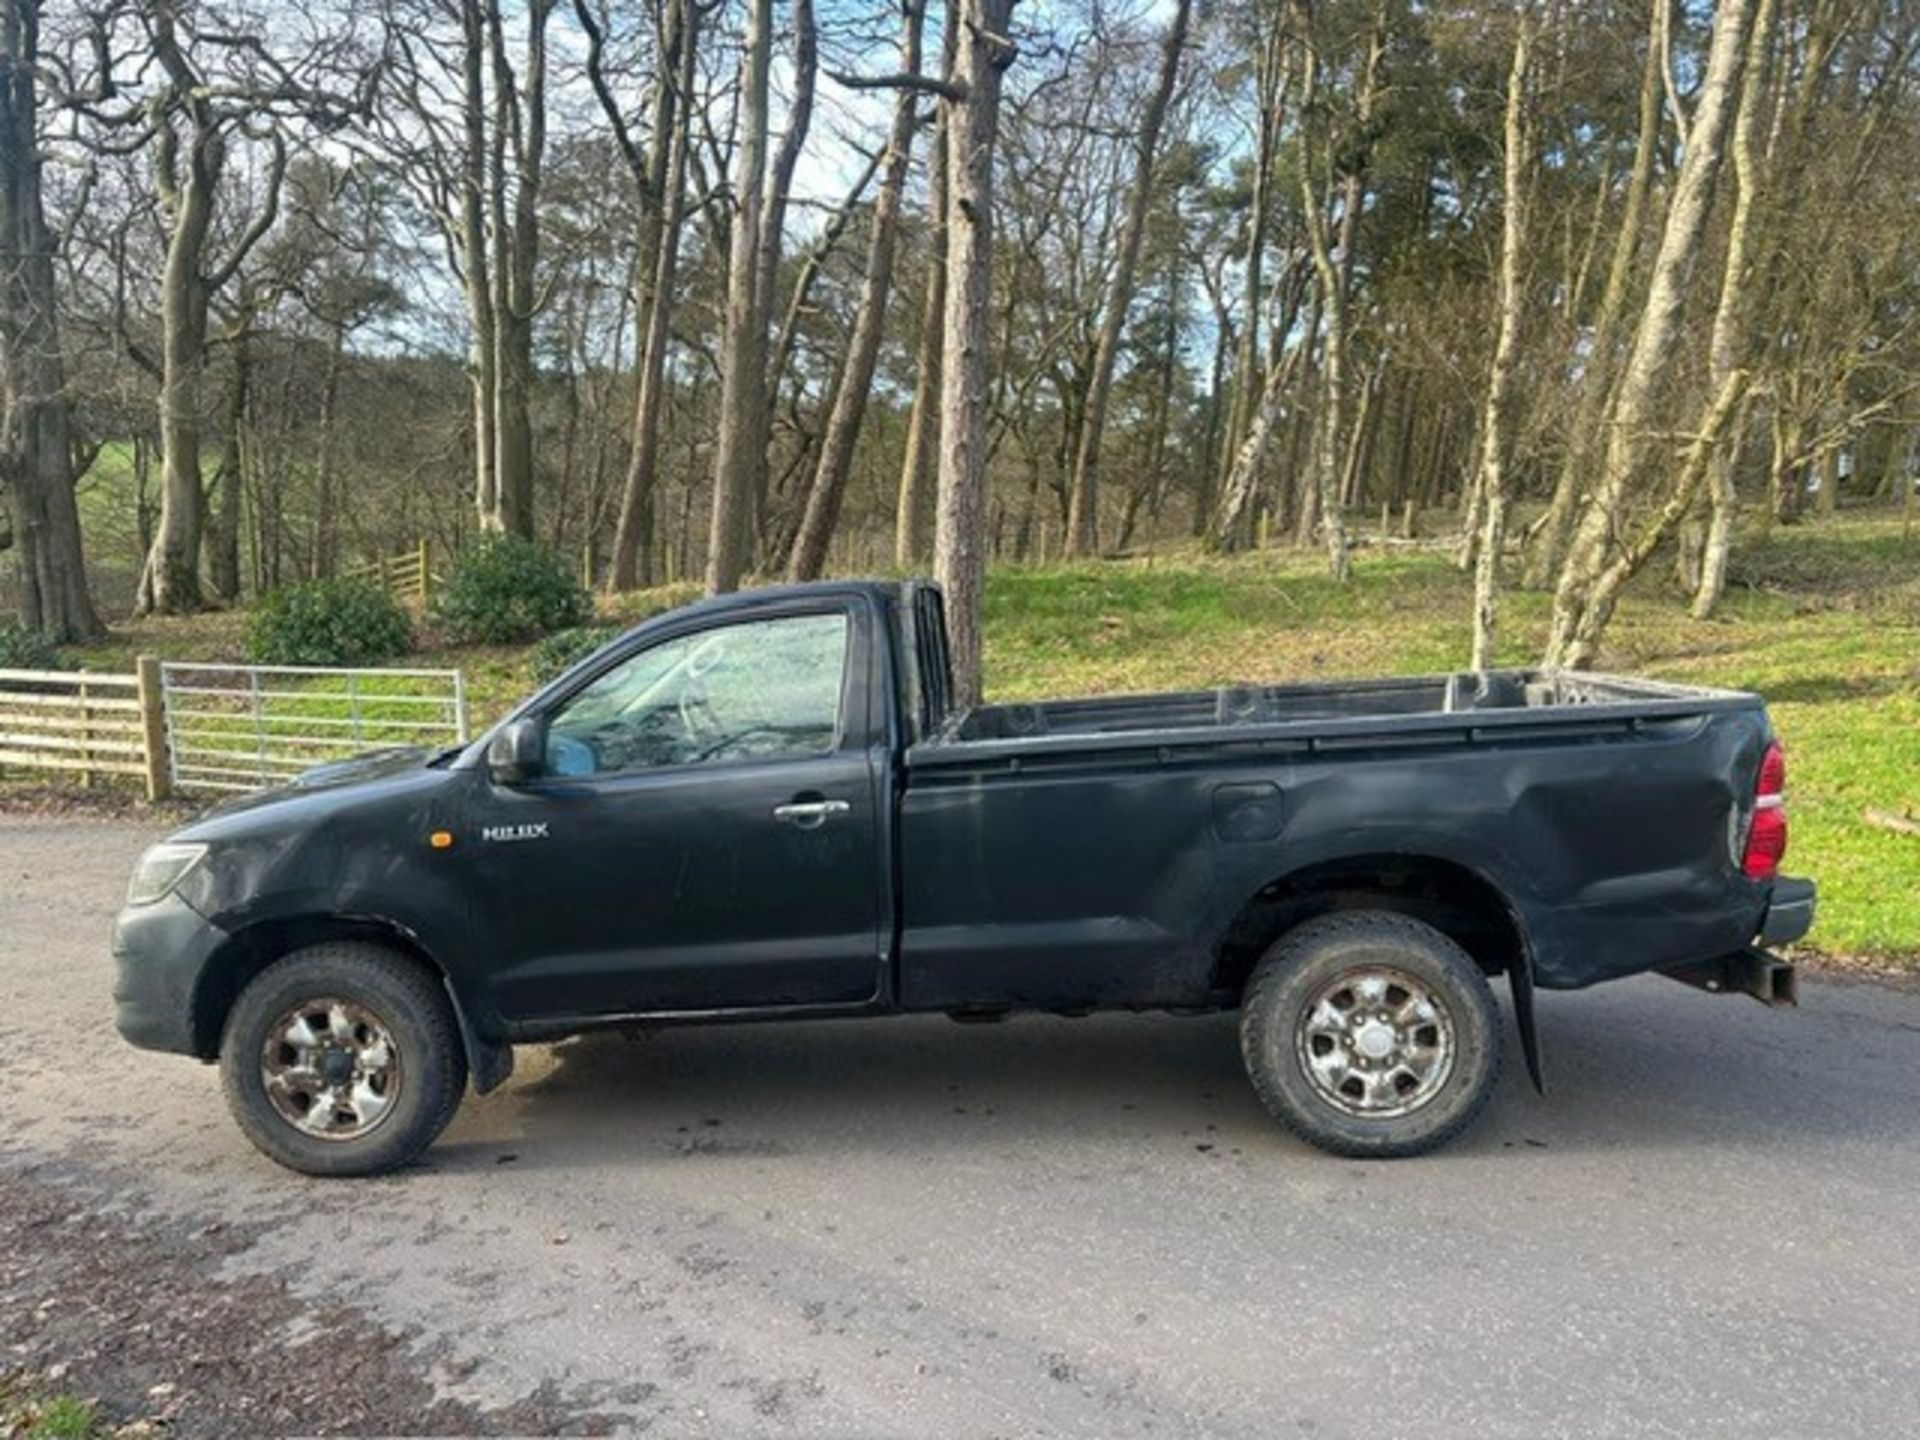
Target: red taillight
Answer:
[[1767, 835], [1773, 772]]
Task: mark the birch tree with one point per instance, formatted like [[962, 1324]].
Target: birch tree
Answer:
[[1496, 422], [1593, 576]]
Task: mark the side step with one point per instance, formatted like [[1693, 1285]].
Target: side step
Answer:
[[1767, 978]]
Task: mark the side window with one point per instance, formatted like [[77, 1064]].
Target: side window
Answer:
[[758, 690]]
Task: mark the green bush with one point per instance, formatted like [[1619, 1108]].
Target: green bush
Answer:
[[561, 649], [506, 589], [328, 622], [24, 649]]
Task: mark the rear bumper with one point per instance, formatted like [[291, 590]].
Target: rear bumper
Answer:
[[1789, 912]]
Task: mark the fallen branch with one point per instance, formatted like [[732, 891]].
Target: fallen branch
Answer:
[[1896, 821]]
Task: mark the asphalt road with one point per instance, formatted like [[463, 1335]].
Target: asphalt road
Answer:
[[1049, 1227]]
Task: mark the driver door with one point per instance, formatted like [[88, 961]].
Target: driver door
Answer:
[[706, 836]]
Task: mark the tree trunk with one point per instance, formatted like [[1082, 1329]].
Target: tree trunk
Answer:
[[960, 556], [523, 121], [223, 533], [633, 539], [1322, 497], [172, 582], [1581, 602], [1083, 516], [475, 262], [743, 358], [1731, 320], [36, 452], [914, 508], [1273, 77], [1554, 528], [863, 349], [773, 226], [1497, 420], [1236, 494], [325, 462]]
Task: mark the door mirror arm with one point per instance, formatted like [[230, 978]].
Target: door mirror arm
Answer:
[[518, 753]]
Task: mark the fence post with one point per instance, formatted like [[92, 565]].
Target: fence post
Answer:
[[426, 575], [153, 728], [86, 734]]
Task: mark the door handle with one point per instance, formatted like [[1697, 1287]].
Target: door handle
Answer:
[[809, 813]]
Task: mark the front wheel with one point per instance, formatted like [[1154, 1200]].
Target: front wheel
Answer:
[[343, 1059], [1369, 1033]]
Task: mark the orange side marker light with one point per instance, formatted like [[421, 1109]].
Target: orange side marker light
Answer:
[[441, 839]]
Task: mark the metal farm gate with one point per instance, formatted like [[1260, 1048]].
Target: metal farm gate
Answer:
[[241, 727]]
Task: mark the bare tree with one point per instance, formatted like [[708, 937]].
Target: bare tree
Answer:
[[855, 380], [914, 510], [519, 144], [983, 50], [191, 120], [1594, 574], [1333, 264], [743, 362], [1555, 525], [1496, 439], [658, 169], [464, 126], [1083, 519], [1731, 320]]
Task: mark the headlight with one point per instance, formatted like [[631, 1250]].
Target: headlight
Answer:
[[161, 869]]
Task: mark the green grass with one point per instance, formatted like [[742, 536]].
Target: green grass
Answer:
[[25, 1416], [1824, 620]]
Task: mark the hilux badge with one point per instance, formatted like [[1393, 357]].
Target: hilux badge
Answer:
[[514, 832]]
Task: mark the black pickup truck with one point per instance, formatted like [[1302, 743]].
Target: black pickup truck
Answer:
[[765, 806]]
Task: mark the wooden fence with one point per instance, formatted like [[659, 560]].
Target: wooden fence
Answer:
[[199, 727], [406, 576], [86, 722]]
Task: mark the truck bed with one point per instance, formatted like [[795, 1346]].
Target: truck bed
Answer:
[[1406, 706]]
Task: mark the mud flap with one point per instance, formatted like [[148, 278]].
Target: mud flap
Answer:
[[489, 1062], [1521, 978]]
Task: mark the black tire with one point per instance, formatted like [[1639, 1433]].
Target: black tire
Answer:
[[406, 999], [1309, 964]]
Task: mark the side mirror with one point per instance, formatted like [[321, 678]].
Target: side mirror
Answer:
[[518, 753]]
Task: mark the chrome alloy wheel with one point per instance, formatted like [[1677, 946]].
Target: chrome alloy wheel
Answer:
[[330, 1068], [1376, 1043]]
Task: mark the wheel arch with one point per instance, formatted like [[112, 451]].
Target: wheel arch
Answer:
[[252, 948], [1458, 899]]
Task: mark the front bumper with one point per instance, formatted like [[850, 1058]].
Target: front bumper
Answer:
[[159, 952], [1789, 912]]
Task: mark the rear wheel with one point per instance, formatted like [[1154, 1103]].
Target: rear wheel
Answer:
[[1369, 1033], [343, 1059]]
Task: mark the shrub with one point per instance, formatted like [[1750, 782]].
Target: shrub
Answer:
[[506, 589], [328, 622], [24, 649], [561, 649]]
